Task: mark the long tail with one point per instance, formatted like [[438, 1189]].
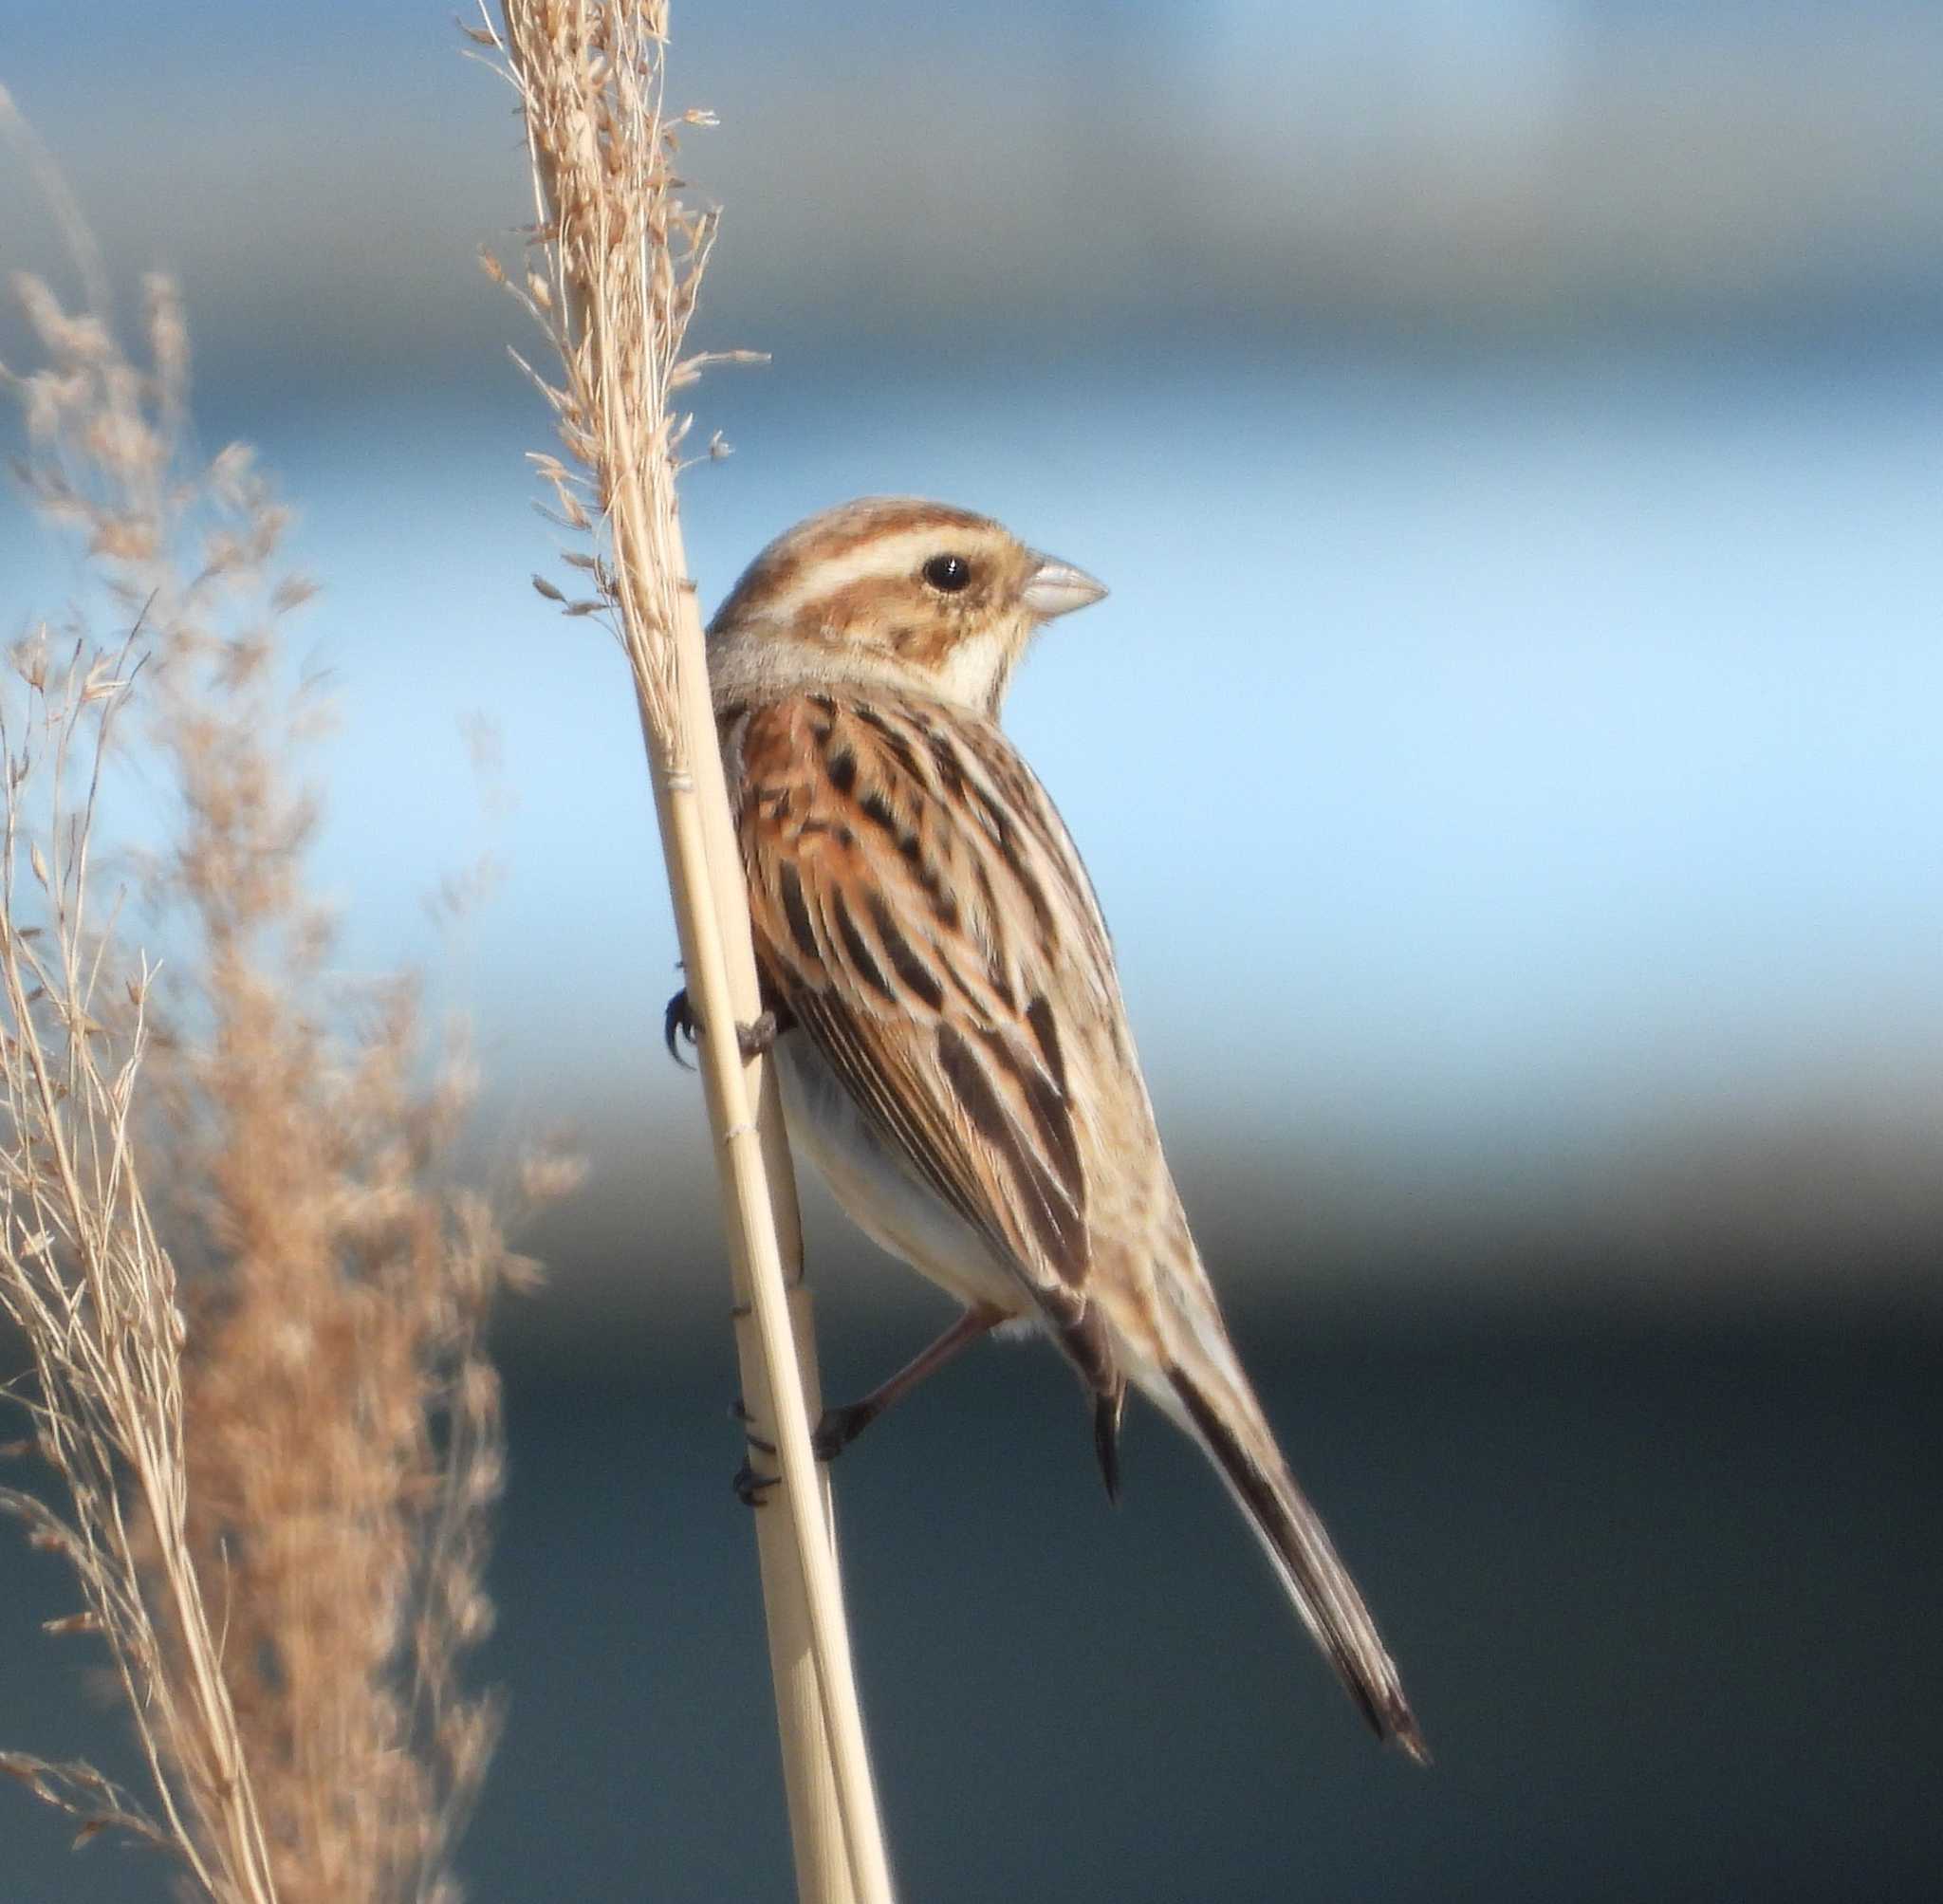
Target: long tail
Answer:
[[1220, 1410]]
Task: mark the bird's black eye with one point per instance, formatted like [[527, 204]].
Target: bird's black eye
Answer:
[[948, 573]]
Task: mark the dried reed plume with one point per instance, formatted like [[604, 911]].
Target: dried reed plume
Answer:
[[616, 261], [277, 1468]]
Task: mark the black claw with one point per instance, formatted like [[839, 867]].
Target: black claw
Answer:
[[681, 1021], [1107, 1410], [752, 1489], [738, 1412]]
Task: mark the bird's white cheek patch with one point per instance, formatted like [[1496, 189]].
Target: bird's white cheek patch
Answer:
[[975, 668]]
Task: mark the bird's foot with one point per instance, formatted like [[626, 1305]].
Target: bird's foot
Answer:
[[679, 1021], [840, 1427], [682, 1021], [752, 1489]]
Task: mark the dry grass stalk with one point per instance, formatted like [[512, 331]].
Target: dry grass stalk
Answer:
[[83, 1271], [616, 261], [277, 1470]]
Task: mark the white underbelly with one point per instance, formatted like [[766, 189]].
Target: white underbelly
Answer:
[[878, 1193]]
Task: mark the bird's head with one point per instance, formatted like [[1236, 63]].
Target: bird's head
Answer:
[[894, 588]]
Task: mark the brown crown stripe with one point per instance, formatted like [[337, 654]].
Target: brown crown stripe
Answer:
[[855, 528], [777, 571]]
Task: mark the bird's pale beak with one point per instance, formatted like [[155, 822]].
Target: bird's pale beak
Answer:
[[1055, 588]]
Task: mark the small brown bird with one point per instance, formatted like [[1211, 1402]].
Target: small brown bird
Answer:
[[951, 1045]]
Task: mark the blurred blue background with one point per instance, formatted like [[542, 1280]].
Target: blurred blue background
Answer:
[[1513, 433]]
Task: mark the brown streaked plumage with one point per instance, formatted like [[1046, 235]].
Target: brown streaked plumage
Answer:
[[955, 1056]]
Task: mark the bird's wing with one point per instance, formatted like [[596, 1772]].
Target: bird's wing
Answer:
[[921, 912]]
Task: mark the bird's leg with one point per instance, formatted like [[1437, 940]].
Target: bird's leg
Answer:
[[840, 1427], [754, 1040]]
